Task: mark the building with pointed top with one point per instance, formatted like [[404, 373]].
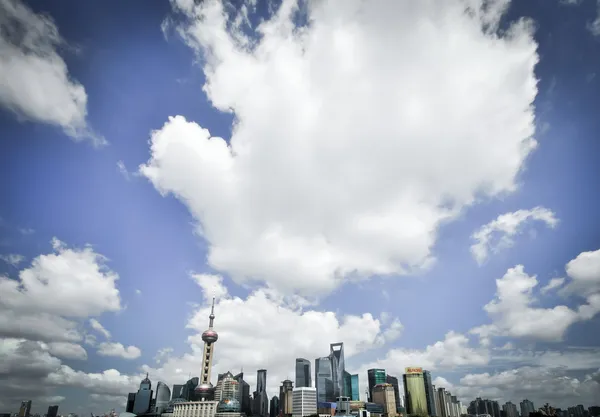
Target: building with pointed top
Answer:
[[205, 390]]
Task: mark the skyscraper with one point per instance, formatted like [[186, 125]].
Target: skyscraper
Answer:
[[375, 377], [303, 375], [177, 391], [354, 390], [431, 411], [510, 409], [244, 390], [393, 381], [143, 397], [52, 411], [25, 408], [163, 395], [261, 400], [383, 394], [274, 406], [324, 380], [336, 352], [205, 391], [414, 390], [526, 408], [285, 397], [304, 401]]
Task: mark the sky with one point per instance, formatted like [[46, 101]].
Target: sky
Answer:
[[417, 180]]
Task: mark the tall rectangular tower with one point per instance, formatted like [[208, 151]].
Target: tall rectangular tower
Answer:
[[338, 368], [431, 410], [303, 374]]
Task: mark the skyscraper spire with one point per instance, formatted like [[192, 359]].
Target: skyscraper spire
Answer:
[[212, 314]]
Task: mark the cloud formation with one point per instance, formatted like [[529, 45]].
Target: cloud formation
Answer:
[[513, 311], [118, 350], [345, 132], [36, 84], [499, 233]]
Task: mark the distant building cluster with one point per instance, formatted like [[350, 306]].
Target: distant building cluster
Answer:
[[335, 392]]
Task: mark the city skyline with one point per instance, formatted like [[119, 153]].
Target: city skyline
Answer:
[[414, 179]]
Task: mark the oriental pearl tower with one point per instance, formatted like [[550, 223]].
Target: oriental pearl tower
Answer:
[[205, 391]]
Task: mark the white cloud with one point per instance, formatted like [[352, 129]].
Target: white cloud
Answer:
[[36, 82], [535, 383], [69, 282], [96, 325], [109, 382], [53, 291], [553, 284], [138, 292], [514, 315], [118, 350], [12, 259], [584, 272], [505, 228], [354, 137], [594, 27], [212, 285], [67, 350], [163, 354]]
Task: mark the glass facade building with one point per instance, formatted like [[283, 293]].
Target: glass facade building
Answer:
[[338, 366], [375, 377], [163, 396], [303, 374], [354, 390], [414, 391], [177, 391], [52, 411], [431, 410], [324, 380]]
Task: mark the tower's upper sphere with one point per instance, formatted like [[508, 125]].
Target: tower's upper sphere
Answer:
[[210, 336]]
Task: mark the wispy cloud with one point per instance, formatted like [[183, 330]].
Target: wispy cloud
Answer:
[[12, 259], [500, 233]]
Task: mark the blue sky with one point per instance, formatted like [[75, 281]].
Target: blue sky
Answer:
[[370, 149]]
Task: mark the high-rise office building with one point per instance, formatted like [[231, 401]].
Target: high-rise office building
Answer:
[[443, 410], [143, 397], [303, 374], [431, 411], [375, 377], [261, 400], [324, 379], [526, 408], [177, 391], [25, 408], [354, 389], [274, 406], [510, 409], [130, 402], [383, 394], [228, 388], [336, 352], [52, 411], [393, 381], [163, 396], [304, 401], [244, 390], [436, 398], [414, 390], [347, 384], [205, 390], [286, 397]]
